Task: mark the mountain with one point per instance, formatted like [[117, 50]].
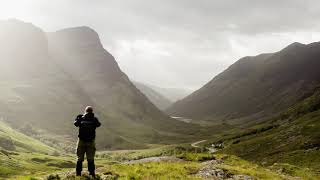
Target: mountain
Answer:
[[173, 94], [48, 78], [155, 97], [255, 87]]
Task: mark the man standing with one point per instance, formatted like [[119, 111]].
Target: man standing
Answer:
[[87, 124]]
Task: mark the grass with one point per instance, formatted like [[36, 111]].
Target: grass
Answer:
[[21, 142], [23, 165], [22, 156], [155, 150], [236, 165], [293, 170], [29, 165], [187, 169], [295, 142], [125, 155], [198, 157], [289, 143], [155, 170], [37, 165]]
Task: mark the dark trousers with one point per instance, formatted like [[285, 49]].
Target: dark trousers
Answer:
[[87, 148]]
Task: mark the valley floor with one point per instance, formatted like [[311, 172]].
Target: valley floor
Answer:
[[159, 163]]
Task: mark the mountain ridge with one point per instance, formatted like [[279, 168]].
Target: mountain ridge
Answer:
[[255, 84]]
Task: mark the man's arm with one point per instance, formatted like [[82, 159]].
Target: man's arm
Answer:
[[77, 121], [98, 124]]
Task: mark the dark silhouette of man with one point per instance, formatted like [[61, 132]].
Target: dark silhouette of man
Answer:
[[87, 124]]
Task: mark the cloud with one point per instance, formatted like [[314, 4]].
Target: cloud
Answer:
[[178, 43]]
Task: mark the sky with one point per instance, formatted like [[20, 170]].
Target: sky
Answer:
[[178, 43]]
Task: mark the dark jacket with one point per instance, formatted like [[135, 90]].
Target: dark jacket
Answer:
[[87, 124]]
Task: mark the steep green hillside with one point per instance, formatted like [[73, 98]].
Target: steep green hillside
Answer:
[[289, 142], [12, 140], [255, 87], [23, 155]]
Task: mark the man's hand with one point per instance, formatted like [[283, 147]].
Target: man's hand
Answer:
[[78, 120]]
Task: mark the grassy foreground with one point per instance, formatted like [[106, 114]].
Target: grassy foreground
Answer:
[[187, 166], [20, 165]]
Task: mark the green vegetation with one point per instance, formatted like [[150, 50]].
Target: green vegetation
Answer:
[[289, 143], [112, 164], [187, 168], [235, 165], [127, 155], [199, 157], [155, 170], [27, 164], [21, 155], [13, 140]]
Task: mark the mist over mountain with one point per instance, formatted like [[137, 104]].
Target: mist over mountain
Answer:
[[173, 94], [155, 97], [48, 78], [255, 87]]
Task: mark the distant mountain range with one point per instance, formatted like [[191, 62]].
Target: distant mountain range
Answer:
[[46, 79], [155, 97], [163, 98], [173, 94], [256, 87]]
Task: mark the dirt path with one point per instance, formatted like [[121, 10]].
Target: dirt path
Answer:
[[155, 159], [195, 144]]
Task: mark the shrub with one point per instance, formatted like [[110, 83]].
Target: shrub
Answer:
[[53, 177]]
